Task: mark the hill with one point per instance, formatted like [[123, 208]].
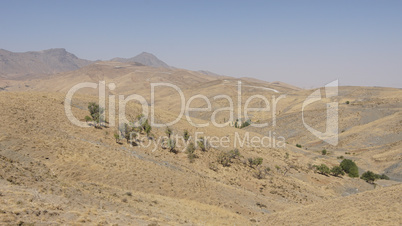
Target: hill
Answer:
[[144, 58], [17, 65]]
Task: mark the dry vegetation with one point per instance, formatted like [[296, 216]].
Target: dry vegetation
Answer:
[[53, 172]]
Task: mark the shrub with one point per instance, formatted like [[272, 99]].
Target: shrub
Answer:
[[201, 144], [95, 113], [245, 124], [337, 170], [168, 132], [147, 128], [324, 152], [116, 137], [186, 135], [87, 118], [234, 153], [350, 168], [190, 152], [322, 169], [225, 158], [347, 102], [260, 173], [298, 145], [172, 145], [255, 161], [369, 176], [384, 177]]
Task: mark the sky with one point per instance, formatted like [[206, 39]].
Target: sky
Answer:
[[303, 43]]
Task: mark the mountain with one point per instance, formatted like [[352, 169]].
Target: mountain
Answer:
[[144, 58], [15, 65]]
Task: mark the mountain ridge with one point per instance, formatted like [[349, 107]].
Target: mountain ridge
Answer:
[[50, 61], [145, 58]]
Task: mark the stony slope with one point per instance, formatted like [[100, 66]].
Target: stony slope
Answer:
[[56, 172]]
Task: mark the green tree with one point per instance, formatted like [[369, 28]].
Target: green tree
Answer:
[[369, 176], [337, 170], [322, 169], [350, 168], [324, 152], [96, 113]]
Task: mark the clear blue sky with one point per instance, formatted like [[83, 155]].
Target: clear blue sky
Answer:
[[305, 43]]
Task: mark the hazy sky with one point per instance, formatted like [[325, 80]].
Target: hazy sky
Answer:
[[304, 43]]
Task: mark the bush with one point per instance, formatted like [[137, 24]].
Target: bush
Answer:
[[186, 135], [201, 144], [245, 124], [369, 176], [384, 177], [168, 132], [225, 158], [95, 112], [260, 172], [87, 118], [337, 170], [324, 152], [255, 161], [234, 153], [147, 128], [172, 145], [116, 137], [298, 145], [322, 169], [190, 152], [350, 168], [347, 102]]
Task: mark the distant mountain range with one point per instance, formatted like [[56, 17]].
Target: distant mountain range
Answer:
[[49, 61], [17, 65], [144, 58]]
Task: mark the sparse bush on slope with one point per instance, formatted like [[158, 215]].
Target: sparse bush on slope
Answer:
[[190, 152], [95, 114], [322, 169], [225, 158], [337, 170], [350, 168]]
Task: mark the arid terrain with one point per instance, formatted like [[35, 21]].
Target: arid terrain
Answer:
[[54, 172]]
